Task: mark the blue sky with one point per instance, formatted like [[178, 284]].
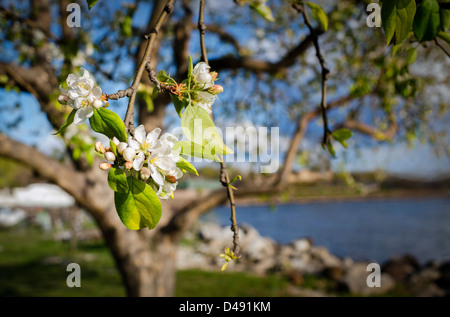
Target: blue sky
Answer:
[[418, 161]]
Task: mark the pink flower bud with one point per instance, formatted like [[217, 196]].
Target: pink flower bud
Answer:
[[213, 75], [145, 173], [128, 165], [63, 99], [121, 147], [99, 147], [129, 154], [115, 141], [109, 156], [216, 89], [105, 166]]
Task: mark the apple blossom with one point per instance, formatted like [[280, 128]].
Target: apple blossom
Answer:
[[202, 75], [121, 147], [105, 166], [99, 147], [129, 154], [109, 156], [83, 95]]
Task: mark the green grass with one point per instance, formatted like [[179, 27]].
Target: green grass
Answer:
[[33, 264], [196, 283]]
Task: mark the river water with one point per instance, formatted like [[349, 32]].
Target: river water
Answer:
[[372, 230]]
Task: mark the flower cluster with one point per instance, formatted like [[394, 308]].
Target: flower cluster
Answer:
[[206, 90], [83, 95], [151, 156]]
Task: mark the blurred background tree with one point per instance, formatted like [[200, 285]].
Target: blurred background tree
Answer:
[[265, 54]]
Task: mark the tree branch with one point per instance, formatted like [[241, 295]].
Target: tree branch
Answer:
[[145, 59], [261, 66], [224, 177], [325, 71], [56, 172], [34, 80], [302, 125]]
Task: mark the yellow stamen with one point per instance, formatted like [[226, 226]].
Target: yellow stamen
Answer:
[[83, 86]]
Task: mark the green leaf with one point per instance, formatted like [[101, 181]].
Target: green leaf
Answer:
[[126, 28], [445, 19], [66, 123], [237, 177], [331, 149], [107, 122], [397, 17], [444, 36], [113, 147], [195, 150], [139, 207], [179, 104], [91, 3], [427, 20], [117, 180], [198, 127], [186, 166], [342, 135], [318, 14], [263, 10], [162, 76], [411, 55]]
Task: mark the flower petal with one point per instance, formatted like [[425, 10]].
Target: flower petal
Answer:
[[138, 162], [169, 138], [156, 175], [82, 114], [201, 67], [72, 80], [139, 133], [134, 144], [153, 135], [97, 92]]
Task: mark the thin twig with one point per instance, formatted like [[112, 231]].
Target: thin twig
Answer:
[[224, 177], [145, 59], [202, 29], [120, 94], [152, 76], [442, 47], [325, 71]]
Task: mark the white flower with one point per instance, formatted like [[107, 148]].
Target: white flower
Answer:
[[143, 144], [160, 165], [202, 75], [156, 160], [83, 95], [205, 100]]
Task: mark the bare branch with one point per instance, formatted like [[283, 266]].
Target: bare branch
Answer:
[[224, 177], [61, 174], [145, 59], [325, 71], [261, 66]]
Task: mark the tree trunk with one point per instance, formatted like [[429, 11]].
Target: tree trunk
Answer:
[[146, 259]]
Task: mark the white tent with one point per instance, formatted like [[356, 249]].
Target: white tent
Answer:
[[37, 195]]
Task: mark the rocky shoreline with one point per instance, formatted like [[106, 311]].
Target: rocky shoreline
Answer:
[[301, 258]]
